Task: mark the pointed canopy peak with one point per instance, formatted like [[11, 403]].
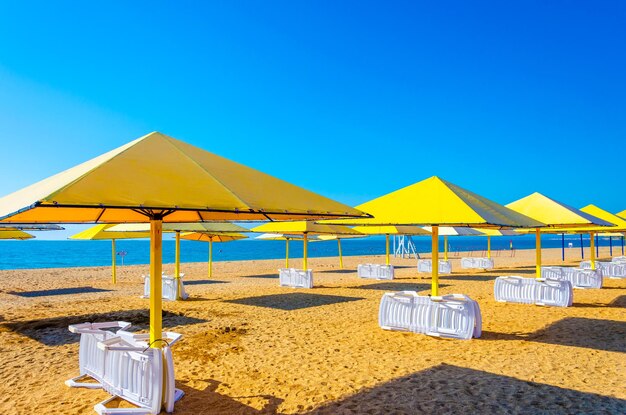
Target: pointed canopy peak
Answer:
[[159, 176], [434, 201], [622, 214], [554, 213], [618, 222]]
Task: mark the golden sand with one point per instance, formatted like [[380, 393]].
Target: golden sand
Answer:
[[252, 347]]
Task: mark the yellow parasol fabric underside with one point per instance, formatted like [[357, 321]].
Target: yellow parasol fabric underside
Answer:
[[193, 185], [102, 232], [392, 230], [206, 237], [210, 227], [15, 234]]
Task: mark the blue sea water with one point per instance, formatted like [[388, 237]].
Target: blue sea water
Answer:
[[73, 253]]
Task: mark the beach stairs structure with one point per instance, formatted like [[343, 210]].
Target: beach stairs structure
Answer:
[[454, 316], [404, 246], [375, 271], [425, 265], [477, 263], [580, 278], [295, 278], [90, 357], [515, 289], [172, 290], [613, 269], [123, 364]]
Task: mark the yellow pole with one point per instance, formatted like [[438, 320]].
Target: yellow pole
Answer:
[[435, 261], [156, 258], [177, 264], [304, 251], [113, 261], [387, 261], [593, 249], [210, 258], [287, 253], [340, 257], [488, 246], [445, 248], [538, 252]]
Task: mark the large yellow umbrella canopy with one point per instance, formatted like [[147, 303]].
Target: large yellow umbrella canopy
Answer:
[[157, 179], [101, 232], [304, 228], [210, 238], [553, 214], [622, 214], [15, 234], [436, 202], [391, 230]]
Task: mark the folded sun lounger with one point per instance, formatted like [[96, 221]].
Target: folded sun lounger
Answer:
[[580, 278], [375, 271], [477, 263], [547, 292], [613, 269], [296, 278], [452, 316], [425, 265], [170, 288], [90, 358], [139, 374]]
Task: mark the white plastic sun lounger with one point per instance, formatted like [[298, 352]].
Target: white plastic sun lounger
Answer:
[[477, 263], [138, 374], [516, 289], [295, 278], [580, 278], [452, 316], [90, 358], [619, 259], [170, 288], [425, 265], [613, 269], [375, 271]]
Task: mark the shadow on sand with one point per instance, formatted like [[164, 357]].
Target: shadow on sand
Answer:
[[203, 282], [293, 301], [458, 390], [54, 332], [58, 291], [396, 286]]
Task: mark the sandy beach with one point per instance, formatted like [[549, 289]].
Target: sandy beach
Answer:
[[252, 347]]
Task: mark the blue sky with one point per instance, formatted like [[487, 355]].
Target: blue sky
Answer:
[[348, 99]]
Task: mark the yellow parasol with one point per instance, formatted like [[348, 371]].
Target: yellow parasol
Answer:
[[100, 232], [435, 202], [555, 215], [304, 228], [15, 234], [159, 179], [210, 238]]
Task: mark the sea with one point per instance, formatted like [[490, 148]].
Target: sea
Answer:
[[32, 254]]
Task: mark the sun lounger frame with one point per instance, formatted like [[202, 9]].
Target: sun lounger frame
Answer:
[[477, 263], [375, 271], [516, 289], [425, 265], [295, 278]]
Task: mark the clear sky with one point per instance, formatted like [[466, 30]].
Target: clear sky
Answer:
[[348, 99]]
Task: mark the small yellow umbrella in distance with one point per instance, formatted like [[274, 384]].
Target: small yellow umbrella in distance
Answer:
[[210, 238], [304, 228], [339, 238], [391, 230], [282, 237], [436, 202], [496, 232], [158, 179], [446, 231], [15, 234], [209, 227], [100, 232], [554, 214]]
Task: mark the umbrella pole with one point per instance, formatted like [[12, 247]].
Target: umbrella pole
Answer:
[[538, 252], [305, 251], [210, 258], [488, 246], [340, 256], [435, 261], [113, 262], [563, 247], [156, 258], [445, 247], [593, 252], [582, 247], [597, 246], [611, 246], [387, 261], [177, 265], [622, 245], [287, 253]]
